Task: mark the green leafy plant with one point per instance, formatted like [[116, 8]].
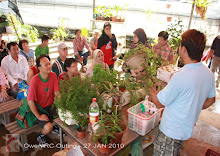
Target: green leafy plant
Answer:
[[100, 76], [84, 32], [201, 6], [203, 3], [115, 121], [76, 97], [59, 32], [149, 69], [104, 130], [23, 31], [175, 31]]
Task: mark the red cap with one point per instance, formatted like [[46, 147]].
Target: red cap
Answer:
[[94, 100]]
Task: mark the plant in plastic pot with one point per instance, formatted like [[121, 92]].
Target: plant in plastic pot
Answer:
[[76, 97], [113, 94], [118, 127], [201, 7], [82, 122], [104, 135], [122, 85]]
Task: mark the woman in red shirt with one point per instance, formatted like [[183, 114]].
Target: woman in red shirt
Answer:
[[108, 44]]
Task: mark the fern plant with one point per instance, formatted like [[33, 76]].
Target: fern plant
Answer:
[[76, 97]]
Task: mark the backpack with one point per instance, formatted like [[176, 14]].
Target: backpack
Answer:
[[24, 117]]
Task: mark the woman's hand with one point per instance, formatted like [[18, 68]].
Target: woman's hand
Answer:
[[4, 96]]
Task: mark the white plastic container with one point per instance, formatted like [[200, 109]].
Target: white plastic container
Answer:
[[143, 125], [66, 117], [165, 73]]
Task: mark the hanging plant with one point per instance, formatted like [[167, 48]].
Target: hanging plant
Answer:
[[201, 7]]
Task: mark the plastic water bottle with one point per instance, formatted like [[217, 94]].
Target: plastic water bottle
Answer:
[[93, 114]]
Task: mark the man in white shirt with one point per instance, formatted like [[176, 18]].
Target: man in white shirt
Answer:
[[15, 67]]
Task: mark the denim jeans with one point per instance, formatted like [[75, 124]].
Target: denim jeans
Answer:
[[85, 55]]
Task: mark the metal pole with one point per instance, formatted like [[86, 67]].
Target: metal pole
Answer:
[[190, 19], [93, 14]]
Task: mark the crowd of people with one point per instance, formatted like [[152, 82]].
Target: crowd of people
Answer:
[[189, 91]]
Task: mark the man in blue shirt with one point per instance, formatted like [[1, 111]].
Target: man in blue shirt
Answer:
[[188, 92]]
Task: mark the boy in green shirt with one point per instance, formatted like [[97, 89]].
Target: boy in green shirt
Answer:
[[43, 47]]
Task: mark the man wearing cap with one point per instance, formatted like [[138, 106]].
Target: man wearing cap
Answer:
[[78, 45], [58, 65]]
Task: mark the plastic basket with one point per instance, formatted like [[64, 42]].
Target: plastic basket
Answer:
[[210, 152], [143, 125]]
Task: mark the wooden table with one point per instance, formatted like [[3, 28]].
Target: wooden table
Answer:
[[128, 137]]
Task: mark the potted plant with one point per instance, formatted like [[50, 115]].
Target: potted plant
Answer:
[[169, 18], [3, 22], [100, 76], [82, 122], [103, 14], [23, 31], [201, 6], [59, 33], [168, 5], [118, 127], [122, 85], [76, 97], [104, 135], [143, 72], [98, 12], [111, 97]]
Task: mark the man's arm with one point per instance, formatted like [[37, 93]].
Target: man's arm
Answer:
[[211, 51], [153, 96], [34, 110], [208, 102]]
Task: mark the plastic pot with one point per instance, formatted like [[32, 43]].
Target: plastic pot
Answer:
[[119, 135], [169, 18], [81, 133], [104, 148]]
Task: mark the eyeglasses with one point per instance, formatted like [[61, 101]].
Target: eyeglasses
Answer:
[[66, 48]]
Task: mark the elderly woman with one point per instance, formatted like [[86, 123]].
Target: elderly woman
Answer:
[[70, 68], [4, 85], [98, 58], [163, 48], [94, 41]]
